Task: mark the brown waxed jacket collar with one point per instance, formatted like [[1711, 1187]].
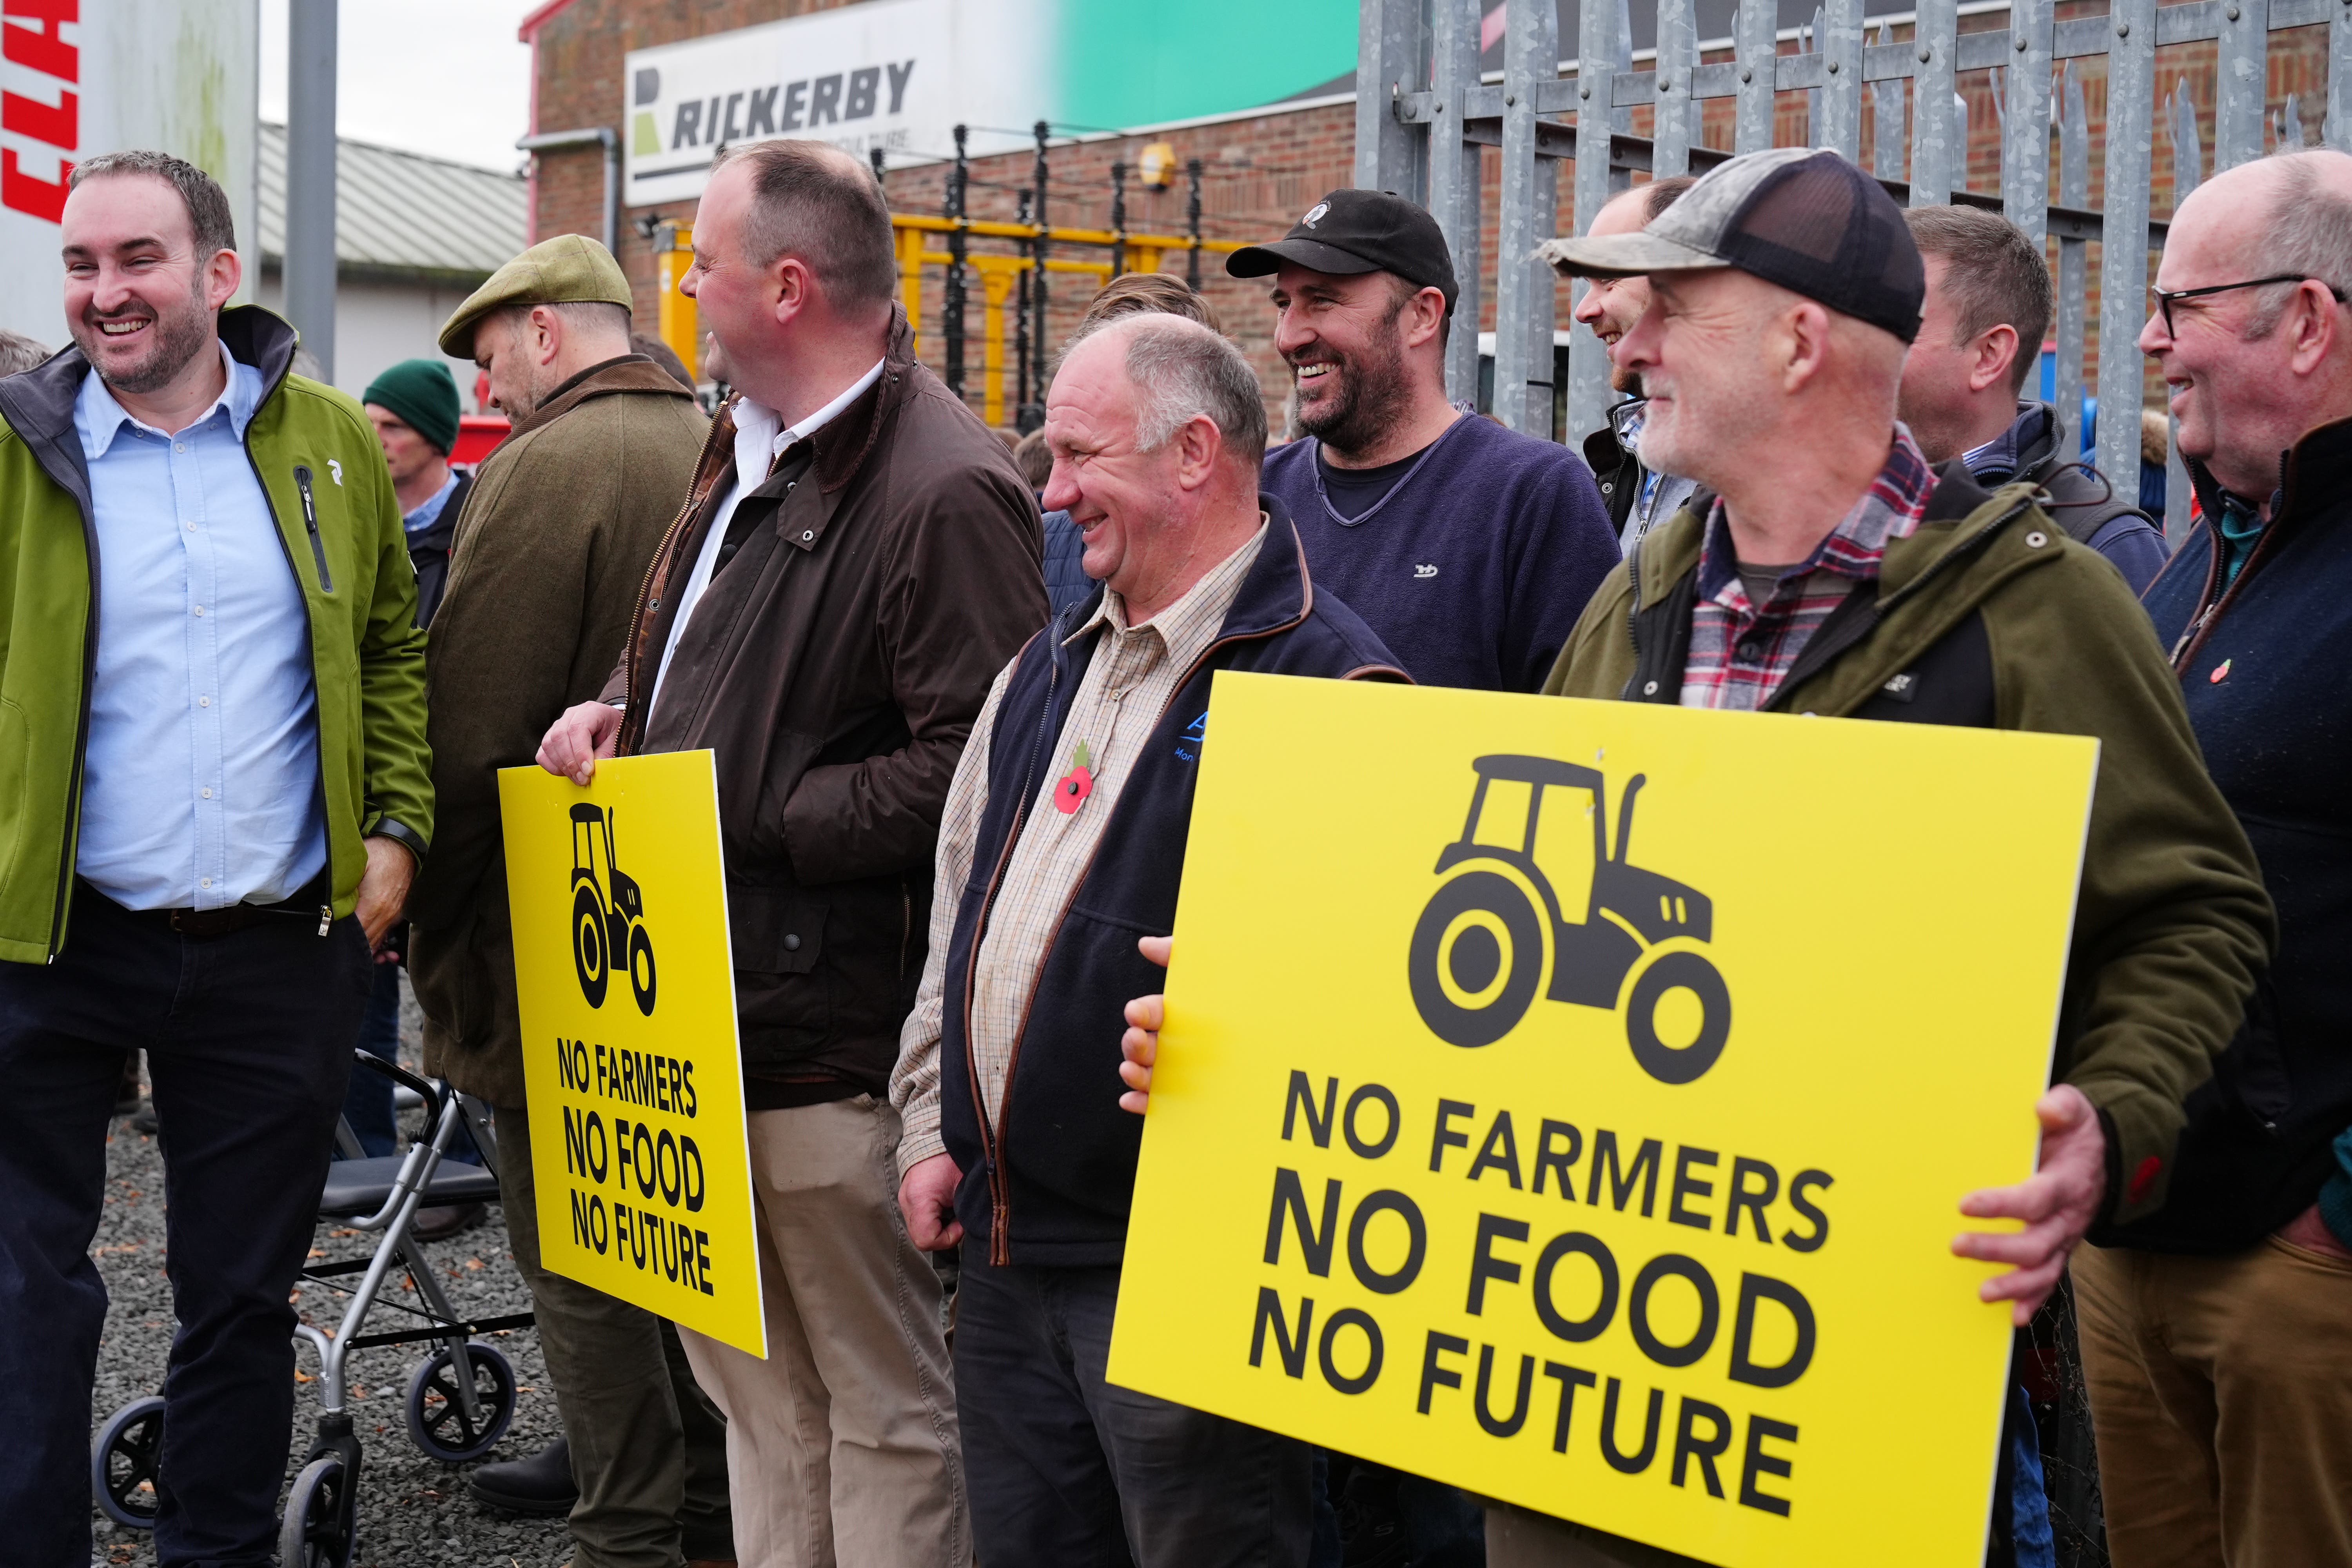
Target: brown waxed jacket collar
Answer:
[[842, 445], [626, 372]]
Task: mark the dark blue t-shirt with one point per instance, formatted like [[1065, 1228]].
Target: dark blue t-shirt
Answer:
[[1474, 565]]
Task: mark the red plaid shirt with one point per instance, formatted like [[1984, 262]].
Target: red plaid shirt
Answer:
[[1740, 651]]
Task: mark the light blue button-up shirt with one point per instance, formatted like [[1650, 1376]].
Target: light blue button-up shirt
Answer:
[[428, 510], [200, 784]]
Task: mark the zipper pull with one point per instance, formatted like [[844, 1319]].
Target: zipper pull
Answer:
[[2190, 634], [310, 522], [326, 918]]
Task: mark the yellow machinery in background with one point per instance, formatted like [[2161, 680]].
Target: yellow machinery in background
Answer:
[[917, 235]]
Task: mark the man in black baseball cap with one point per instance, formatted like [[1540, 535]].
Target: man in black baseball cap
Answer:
[[1350, 232], [1826, 569], [1467, 547]]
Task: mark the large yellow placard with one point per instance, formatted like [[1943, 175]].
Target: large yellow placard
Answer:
[[1573, 1100], [628, 991]]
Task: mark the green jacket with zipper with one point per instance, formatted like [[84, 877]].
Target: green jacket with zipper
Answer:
[[322, 470], [1989, 614]]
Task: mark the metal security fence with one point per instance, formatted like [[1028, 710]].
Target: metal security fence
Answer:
[[1425, 110]]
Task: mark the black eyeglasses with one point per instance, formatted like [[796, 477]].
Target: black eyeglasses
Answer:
[[2165, 297]]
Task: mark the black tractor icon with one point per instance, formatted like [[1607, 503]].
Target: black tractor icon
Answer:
[[608, 918], [1504, 919]]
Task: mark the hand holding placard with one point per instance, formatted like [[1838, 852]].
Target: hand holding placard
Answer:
[[582, 733], [2058, 1203], [1140, 1044]]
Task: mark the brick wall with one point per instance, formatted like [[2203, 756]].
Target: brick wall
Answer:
[[1260, 172]]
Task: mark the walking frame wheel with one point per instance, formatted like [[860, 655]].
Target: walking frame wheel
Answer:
[[319, 1529], [437, 1420], [122, 1463]]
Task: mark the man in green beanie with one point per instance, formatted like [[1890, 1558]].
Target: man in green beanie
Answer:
[[415, 407], [558, 531]]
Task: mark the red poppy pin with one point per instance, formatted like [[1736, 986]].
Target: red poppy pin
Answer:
[[1072, 788]]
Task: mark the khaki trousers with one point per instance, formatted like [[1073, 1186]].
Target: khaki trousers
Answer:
[[2221, 1396], [842, 1445], [647, 1450]]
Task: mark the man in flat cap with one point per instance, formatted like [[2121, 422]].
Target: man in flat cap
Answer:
[[563, 519], [1823, 567]]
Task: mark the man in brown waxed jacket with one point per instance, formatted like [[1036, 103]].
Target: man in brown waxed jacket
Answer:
[[858, 559], [561, 522]]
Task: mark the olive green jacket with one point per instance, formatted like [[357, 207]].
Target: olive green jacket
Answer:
[[2172, 924], [560, 525], [367, 658]]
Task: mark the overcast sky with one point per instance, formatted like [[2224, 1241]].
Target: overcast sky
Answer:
[[446, 78]]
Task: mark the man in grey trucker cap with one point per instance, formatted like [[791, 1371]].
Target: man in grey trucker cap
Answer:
[[1823, 568]]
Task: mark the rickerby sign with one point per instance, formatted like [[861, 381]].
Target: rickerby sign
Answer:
[[1574, 1104], [84, 79], [900, 75]]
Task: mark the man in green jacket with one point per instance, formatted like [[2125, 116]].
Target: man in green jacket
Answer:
[[563, 520], [1823, 568], [214, 793]]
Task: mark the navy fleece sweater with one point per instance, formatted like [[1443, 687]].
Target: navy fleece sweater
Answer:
[[1473, 569]]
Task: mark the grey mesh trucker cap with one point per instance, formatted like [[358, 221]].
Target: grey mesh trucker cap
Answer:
[[1807, 220]]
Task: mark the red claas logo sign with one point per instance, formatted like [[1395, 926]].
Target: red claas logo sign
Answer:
[[33, 37]]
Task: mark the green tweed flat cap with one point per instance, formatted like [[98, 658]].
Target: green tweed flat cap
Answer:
[[570, 269]]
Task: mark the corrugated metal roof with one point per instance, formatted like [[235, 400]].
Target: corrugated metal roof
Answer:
[[402, 213]]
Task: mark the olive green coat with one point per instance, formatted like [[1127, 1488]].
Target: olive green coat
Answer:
[[2172, 923], [559, 526]]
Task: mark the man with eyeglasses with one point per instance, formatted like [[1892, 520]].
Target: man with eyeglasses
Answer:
[[2214, 1331]]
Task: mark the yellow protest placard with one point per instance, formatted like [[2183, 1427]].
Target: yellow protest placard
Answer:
[[628, 991], [1573, 1100]]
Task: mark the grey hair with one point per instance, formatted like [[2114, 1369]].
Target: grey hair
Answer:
[[208, 216], [2310, 231], [19, 353], [1184, 372]]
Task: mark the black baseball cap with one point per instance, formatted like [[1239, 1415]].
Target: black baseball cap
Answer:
[[1808, 220], [1352, 231]]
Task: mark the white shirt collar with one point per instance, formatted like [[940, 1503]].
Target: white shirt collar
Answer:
[[760, 432], [98, 418]]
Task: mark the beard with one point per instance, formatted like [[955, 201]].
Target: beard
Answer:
[[179, 333], [1625, 382], [1370, 400], [524, 401]]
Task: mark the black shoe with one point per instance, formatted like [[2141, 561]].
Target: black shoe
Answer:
[[539, 1484], [437, 1224], [144, 1120]]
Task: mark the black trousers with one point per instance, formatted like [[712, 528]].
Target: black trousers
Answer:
[[249, 1039], [1064, 1469]]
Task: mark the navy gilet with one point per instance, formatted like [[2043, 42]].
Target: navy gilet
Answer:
[[1051, 1186]]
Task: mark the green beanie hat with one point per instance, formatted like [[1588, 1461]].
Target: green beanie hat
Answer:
[[425, 394]]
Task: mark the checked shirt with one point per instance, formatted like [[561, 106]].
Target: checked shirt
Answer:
[[1132, 675], [1740, 651]]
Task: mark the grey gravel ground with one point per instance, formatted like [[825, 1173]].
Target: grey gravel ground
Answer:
[[414, 1511]]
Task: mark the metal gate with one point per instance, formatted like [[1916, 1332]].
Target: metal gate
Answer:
[[1423, 110]]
